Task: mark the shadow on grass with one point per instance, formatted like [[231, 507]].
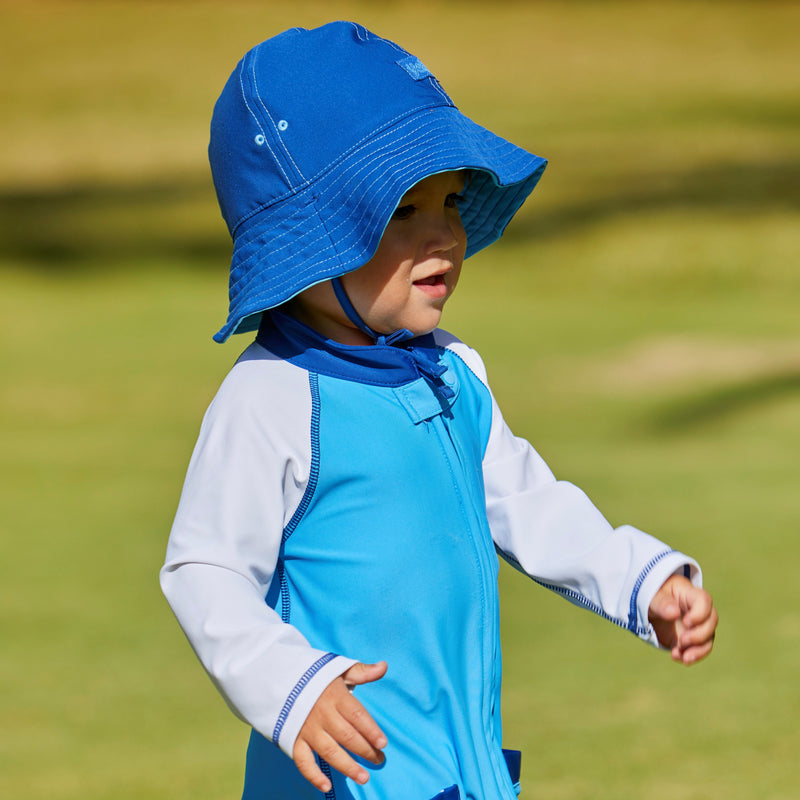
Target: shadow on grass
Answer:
[[725, 402], [739, 188], [98, 226]]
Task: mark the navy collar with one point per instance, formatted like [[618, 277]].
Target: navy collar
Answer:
[[376, 365]]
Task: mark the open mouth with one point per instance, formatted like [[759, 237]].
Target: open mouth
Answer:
[[432, 280], [434, 285]]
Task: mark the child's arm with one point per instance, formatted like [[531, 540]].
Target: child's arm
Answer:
[[246, 477], [684, 619], [338, 723], [551, 531]]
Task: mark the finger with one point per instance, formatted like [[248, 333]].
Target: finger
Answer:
[[360, 734], [329, 750], [700, 634], [304, 759], [350, 738], [360, 673], [665, 604], [363, 724], [667, 610], [349, 724], [698, 607], [692, 655]]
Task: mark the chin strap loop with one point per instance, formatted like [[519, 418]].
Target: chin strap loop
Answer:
[[426, 358], [399, 335]]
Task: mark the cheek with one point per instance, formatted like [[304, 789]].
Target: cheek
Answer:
[[377, 283]]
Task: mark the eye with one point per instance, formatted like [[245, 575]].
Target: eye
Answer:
[[452, 200], [403, 212]]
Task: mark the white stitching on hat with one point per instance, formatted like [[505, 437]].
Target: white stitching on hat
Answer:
[[366, 175], [341, 157], [256, 120], [384, 131], [361, 32], [278, 126], [249, 272], [439, 88]]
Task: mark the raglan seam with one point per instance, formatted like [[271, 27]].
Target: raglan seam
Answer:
[[444, 348], [483, 382], [313, 474], [305, 501]]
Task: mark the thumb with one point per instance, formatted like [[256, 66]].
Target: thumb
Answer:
[[365, 673], [664, 608]]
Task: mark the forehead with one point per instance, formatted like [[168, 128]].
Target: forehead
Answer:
[[446, 182]]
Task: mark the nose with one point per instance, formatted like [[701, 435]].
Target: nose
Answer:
[[447, 233]]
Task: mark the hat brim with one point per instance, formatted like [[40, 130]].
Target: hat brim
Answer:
[[333, 225]]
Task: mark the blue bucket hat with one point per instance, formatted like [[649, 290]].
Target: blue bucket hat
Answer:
[[315, 139]]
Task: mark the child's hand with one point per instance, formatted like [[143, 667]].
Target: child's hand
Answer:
[[338, 723], [684, 619]]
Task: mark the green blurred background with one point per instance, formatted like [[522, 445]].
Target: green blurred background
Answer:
[[639, 321]]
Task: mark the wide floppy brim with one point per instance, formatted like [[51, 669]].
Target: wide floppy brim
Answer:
[[333, 223]]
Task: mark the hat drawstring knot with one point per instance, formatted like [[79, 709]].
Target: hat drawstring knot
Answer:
[[426, 358]]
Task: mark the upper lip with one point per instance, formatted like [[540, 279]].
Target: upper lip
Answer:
[[441, 271]]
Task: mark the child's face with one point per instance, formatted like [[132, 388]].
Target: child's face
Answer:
[[411, 276]]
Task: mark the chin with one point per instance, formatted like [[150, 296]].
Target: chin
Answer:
[[420, 329]]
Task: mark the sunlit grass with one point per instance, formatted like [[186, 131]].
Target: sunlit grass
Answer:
[[639, 323]]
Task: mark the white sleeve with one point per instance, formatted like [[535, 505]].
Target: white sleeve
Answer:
[[245, 479], [552, 532]]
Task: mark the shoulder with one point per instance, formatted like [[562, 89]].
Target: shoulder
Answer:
[[262, 390], [468, 355], [258, 372]]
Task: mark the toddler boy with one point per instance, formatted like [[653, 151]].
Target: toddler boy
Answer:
[[354, 480]]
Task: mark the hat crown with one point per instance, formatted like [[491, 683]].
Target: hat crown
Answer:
[[299, 102]]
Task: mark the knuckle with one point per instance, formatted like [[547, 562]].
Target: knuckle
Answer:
[[348, 738], [329, 751], [358, 715]]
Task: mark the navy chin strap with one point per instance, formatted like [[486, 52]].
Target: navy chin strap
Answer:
[[426, 358], [400, 335]]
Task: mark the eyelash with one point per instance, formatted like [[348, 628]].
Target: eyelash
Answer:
[[404, 212]]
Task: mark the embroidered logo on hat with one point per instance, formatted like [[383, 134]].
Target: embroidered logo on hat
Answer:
[[414, 67]]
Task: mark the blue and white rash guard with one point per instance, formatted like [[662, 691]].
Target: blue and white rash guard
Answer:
[[348, 504]]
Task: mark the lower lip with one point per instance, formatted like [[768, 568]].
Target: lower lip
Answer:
[[435, 290]]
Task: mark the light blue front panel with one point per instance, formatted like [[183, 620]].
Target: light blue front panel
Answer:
[[393, 560]]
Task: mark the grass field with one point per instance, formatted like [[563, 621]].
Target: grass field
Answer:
[[640, 323]]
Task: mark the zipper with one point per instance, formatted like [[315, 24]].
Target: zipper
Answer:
[[489, 592]]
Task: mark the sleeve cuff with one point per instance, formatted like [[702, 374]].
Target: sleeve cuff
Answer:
[[305, 693], [674, 564]]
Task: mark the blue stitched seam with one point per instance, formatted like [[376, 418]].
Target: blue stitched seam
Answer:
[[585, 602], [295, 693], [469, 369], [632, 615], [313, 477], [571, 594], [326, 768], [284, 593]]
